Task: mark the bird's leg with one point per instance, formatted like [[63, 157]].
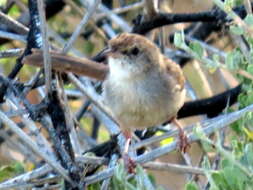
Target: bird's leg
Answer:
[[129, 163], [183, 141]]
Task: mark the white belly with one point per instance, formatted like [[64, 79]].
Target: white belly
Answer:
[[139, 104]]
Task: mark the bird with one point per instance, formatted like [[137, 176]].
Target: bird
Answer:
[[143, 87]]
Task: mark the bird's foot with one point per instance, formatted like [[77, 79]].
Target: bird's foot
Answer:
[[129, 163], [184, 144]]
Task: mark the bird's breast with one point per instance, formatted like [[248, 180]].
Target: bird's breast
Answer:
[[139, 102]]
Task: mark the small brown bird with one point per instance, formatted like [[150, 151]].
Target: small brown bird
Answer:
[[143, 88]]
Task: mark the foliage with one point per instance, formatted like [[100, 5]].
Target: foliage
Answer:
[[122, 180], [11, 170], [235, 168]]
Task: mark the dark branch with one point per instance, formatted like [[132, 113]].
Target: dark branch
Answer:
[[33, 41], [163, 19], [210, 106]]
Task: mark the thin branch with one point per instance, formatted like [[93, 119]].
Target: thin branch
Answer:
[[12, 36], [25, 178], [40, 139], [217, 124], [45, 46], [115, 18], [162, 19], [14, 143], [70, 121], [160, 166], [91, 21], [13, 24], [80, 27], [96, 100], [112, 163], [248, 6], [11, 53], [91, 160], [150, 9], [22, 135], [121, 10]]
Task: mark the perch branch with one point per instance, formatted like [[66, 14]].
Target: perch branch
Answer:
[[217, 124], [173, 167]]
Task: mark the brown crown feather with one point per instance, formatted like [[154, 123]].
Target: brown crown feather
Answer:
[[126, 41]]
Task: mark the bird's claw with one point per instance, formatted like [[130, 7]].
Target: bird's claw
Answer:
[[183, 142], [129, 163]]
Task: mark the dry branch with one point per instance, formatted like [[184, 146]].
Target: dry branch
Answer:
[[214, 125]]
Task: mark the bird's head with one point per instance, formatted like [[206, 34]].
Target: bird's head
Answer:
[[132, 54]]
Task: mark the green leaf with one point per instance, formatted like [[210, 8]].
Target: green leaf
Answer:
[[235, 177], [95, 186], [219, 180], [179, 39], [12, 170], [250, 69], [206, 163], [248, 155], [142, 179], [233, 60], [236, 30], [249, 19], [191, 186], [197, 48]]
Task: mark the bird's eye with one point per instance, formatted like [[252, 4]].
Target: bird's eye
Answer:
[[135, 51], [125, 52]]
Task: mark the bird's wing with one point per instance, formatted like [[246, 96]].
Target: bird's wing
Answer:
[[176, 72]]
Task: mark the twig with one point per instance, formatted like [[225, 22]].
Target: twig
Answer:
[[15, 144], [248, 6], [45, 46], [121, 10], [150, 8], [22, 135], [82, 24], [173, 167], [245, 74], [91, 160], [12, 36], [70, 121], [115, 18], [207, 47], [13, 24], [96, 100], [11, 53], [61, 41], [231, 13], [218, 123], [113, 162], [25, 178], [104, 115], [109, 30], [40, 139], [90, 21]]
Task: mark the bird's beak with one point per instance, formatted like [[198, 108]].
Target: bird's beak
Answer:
[[103, 54], [107, 51]]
